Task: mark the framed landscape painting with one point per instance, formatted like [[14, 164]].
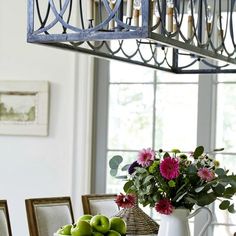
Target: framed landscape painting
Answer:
[[24, 107]]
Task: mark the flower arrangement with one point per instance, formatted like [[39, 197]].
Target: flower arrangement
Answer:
[[169, 180]]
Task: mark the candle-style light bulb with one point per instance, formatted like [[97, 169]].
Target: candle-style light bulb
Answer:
[[90, 12], [136, 12], [209, 14], [220, 31], [157, 18], [129, 10], [190, 10], [170, 13], [112, 22], [209, 18]]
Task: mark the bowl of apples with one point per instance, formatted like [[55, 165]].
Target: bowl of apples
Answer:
[[97, 225]]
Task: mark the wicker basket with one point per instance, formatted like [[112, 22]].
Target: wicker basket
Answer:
[[138, 222]]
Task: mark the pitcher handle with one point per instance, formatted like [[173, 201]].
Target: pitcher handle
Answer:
[[209, 218]]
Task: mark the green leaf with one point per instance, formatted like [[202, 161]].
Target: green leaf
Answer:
[[224, 205], [147, 179], [141, 170], [127, 186], [230, 191], [218, 149], [220, 171], [206, 199], [219, 189], [183, 156], [198, 152], [171, 183], [199, 189], [180, 197], [192, 169], [231, 208], [175, 150], [149, 189], [113, 172], [191, 200], [166, 155], [115, 162], [125, 168], [121, 177]]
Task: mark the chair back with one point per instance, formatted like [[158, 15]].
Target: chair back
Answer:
[[100, 204], [5, 225], [46, 215]]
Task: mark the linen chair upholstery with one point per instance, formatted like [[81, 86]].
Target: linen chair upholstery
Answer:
[[100, 204], [5, 226], [46, 215]]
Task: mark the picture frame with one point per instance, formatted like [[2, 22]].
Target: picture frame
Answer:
[[24, 107]]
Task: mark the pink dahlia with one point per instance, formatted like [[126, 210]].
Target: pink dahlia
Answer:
[[146, 157], [125, 201], [164, 206], [206, 174], [169, 168]]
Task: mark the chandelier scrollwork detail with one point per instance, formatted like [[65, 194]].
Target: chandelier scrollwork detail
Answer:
[[180, 36]]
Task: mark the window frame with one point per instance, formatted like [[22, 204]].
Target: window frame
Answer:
[[206, 126]]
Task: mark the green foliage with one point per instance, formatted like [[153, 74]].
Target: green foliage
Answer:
[[189, 188], [115, 162], [198, 152]]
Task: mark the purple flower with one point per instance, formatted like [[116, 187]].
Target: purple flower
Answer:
[[132, 167]]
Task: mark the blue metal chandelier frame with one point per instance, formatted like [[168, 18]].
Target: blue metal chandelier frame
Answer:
[[179, 36]]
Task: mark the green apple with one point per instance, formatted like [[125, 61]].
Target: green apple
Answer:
[[65, 230], [97, 233], [85, 217], [112, 233], [100, 223], [82, 228], [118, 224]]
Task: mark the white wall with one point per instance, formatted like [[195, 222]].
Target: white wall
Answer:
[[43, 166]]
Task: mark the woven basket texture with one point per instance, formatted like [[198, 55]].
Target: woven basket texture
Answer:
[[138, 222]]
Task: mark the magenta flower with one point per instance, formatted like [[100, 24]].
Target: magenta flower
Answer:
[[125, 201], [169, 168], [146, 157], [206, 174], [164, 206]]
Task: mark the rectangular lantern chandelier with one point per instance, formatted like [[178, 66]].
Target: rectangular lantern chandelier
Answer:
[[179, 36]]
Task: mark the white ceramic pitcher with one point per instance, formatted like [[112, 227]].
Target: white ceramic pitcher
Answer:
[[177, 223]]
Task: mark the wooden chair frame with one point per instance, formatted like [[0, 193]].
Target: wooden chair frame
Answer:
[[31, 216], [86, 198], [3, 204]]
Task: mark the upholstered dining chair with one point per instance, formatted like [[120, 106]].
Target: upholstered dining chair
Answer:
[[100, 204], [46, 215], [5, 225]]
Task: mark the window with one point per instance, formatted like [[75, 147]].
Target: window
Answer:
[[224, 223], [140, 107]]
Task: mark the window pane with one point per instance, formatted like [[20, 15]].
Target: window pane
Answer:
[[130, 116], [128, 73], [176, 117], [226, 119], [168, 77], [228, 162], [222, 230], [227, 77]]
